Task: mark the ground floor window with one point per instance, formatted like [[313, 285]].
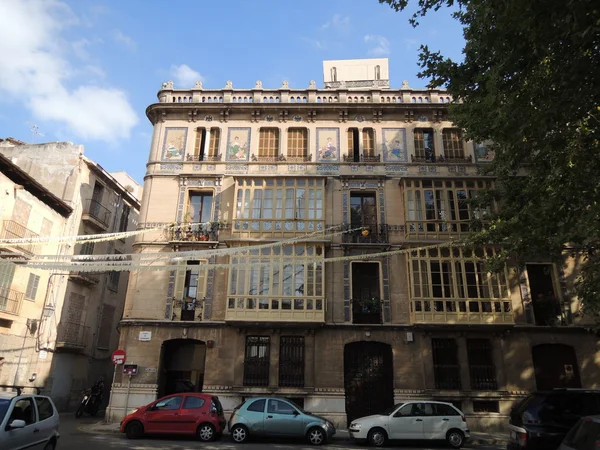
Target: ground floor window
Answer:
[[446, 370], [257, 361], [291, 361]]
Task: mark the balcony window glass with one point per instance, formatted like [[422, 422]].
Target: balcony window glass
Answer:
[[200, 207]]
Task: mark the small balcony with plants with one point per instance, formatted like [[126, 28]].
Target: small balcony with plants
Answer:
[[207, 232], [366, 311]]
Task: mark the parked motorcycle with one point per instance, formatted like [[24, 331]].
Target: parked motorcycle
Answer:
[[91, 400]]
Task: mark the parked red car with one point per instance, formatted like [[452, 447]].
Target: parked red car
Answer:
[[186, 413]]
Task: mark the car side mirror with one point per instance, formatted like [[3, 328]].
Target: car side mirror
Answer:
[[16, 424], [296, 413]]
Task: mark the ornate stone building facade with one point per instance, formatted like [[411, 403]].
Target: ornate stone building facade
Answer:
[[343, 323]]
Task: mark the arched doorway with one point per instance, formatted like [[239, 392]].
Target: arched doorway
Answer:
[[181, 366], [368, 378], [555, 366]]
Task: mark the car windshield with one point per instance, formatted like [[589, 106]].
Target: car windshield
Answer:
[[391, 409], [4, 403]]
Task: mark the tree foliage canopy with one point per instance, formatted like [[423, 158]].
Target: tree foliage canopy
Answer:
[[530, 83]]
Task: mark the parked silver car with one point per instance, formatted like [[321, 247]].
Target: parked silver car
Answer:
[[277, 417], [416, 420], [585, 435], [27, 421]]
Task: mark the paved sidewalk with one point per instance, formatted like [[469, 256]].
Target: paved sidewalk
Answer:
[[477, 438]]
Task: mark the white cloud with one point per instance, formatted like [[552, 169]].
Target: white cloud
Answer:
[[184, 76], [123, 39], [337, 22], [34, 69], [409, 43], [380, 45], [316, 43]]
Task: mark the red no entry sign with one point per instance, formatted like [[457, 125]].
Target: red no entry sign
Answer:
[[118, 357]]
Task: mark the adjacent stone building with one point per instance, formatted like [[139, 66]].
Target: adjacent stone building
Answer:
[[58, 329], [347, 337]]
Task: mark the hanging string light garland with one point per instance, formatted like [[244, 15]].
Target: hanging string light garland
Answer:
[[202, 254], [256, 261]]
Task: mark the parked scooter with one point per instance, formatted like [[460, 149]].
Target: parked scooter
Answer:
[[91, 400]]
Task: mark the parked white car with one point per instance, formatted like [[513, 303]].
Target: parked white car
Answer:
[[27, 421], [585, 435], [415, 420]]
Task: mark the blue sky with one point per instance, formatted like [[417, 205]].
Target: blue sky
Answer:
[[85, 70]]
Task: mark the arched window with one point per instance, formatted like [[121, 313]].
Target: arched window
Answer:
[[333, 74], [377, 73]]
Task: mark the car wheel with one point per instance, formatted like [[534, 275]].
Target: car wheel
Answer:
[[206, 432], [455, 438], [377, 437], [134, 430], [50, 445], [79, 411], [316, 436], [239, 434]]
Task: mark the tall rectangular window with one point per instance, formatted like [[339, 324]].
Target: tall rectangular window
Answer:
[[215, 140], [199, 143], [297, 143], [481, 364], [363, 210], [424, 147], [368, 142], [446, 370], [257, 361], [114, 277], [124, 220], [106, 326], [199, 207], [291, 361], [353, 145], [268, 142], [32, 287], [87, 248], [453, 144]]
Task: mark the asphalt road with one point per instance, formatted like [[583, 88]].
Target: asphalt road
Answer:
[[73, 436]]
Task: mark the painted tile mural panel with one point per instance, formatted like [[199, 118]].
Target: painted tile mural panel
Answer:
[[483, 153], [393, 145], [328, 144], [238, 144], [174, 144]]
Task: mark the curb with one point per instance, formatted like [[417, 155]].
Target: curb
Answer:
[[102, 428]]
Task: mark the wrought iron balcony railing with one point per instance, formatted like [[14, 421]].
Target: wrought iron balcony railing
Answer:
[[375, 234], [72, 335], [204, 158], [10, 301], [366, 311], [194, 232], [362, 158], [98, 212], [440, 159], [14, 230]]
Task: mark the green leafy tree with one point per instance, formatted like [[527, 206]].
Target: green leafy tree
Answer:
[[530, 83]]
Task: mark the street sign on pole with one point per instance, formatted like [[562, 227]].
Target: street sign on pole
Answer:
[[118, 357]]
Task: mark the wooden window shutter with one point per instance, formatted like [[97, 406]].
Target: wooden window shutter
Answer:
[[179, 280]]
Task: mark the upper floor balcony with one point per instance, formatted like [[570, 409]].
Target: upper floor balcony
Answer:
[[366, 311], [374, 234], [85, 278], [204, 158], [194, 232], [97, 214], [14, 230], [10, 301], [460, 311], [362, 158], [72, 336], [262, 309]]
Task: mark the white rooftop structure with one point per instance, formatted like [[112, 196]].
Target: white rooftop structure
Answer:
[[356, 73]]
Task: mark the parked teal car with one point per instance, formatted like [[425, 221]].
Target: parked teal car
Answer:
[[276, 417]]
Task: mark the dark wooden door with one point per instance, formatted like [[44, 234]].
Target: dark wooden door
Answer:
[[368, 378]]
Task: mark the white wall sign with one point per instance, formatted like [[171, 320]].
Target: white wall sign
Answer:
[[145, 335], [150, 369], [43, 354]]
